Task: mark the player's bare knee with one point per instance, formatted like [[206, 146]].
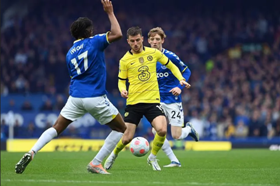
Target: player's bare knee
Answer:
[[126, 140], [161, 132], [176, 136]]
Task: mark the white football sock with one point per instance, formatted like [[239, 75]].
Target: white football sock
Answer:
[[154, 131], [110, 143], [168, 151], [185, 132], [45, 138], [152, 156]]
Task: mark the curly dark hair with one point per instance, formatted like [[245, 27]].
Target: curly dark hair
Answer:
[[82, 28]]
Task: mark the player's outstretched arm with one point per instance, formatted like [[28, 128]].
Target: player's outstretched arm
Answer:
[[116, 32], [186, 74], [176, 72]]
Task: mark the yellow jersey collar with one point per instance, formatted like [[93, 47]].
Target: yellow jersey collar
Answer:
[[132, 53]]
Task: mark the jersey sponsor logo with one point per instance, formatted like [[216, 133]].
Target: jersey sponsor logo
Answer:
[[160, 75], [150, 58], [144, 73], [141, 60]]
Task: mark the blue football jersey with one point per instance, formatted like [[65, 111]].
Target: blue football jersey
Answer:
[[167, 81], [86, 66]]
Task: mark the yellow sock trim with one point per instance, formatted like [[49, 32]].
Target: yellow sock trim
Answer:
[[119, 147], [157, 143]]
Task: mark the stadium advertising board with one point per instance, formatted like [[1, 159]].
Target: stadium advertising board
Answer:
[[41, 119], [73, 145], [70, 145]]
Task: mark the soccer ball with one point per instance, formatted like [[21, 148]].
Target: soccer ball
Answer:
[[139, 146]]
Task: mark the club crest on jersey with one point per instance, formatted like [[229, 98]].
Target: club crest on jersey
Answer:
[[150, 58], [141, 60], [126, 114]]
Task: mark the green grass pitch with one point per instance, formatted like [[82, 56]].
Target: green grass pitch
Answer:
[[223, 168]]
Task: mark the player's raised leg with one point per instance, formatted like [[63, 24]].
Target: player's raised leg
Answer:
[[192, 132], [127, 137], [59, 126], [175, 115]]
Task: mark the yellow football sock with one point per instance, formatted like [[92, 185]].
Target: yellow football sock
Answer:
[[119, 147], [157, 143]]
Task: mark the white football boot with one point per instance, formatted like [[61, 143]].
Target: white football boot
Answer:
[[110, 161], [154, 164]]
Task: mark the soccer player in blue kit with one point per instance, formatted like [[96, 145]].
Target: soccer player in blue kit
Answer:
[[170, 95], [86, 66]]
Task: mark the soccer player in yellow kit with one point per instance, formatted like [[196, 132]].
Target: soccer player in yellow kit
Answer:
[[138, 66]]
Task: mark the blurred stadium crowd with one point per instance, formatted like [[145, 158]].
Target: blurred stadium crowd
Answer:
[[233, 52]]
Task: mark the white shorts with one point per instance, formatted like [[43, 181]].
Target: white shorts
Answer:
[[174, 113], [99, 107]]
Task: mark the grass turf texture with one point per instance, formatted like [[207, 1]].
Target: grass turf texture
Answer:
[[224, 168]]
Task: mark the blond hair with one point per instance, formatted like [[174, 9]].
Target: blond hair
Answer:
[[156, 30]]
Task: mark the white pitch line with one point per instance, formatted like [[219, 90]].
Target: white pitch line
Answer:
[[140, 183]]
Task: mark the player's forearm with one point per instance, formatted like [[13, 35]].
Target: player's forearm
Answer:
[[122, 85], [175, 71], [186, 75], [116, 32]]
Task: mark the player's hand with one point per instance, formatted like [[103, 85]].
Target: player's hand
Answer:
[[124, 94], [184, 83], [176, 91], [107, 6]]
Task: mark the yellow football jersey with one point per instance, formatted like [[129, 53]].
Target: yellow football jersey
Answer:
[[140, 71]]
